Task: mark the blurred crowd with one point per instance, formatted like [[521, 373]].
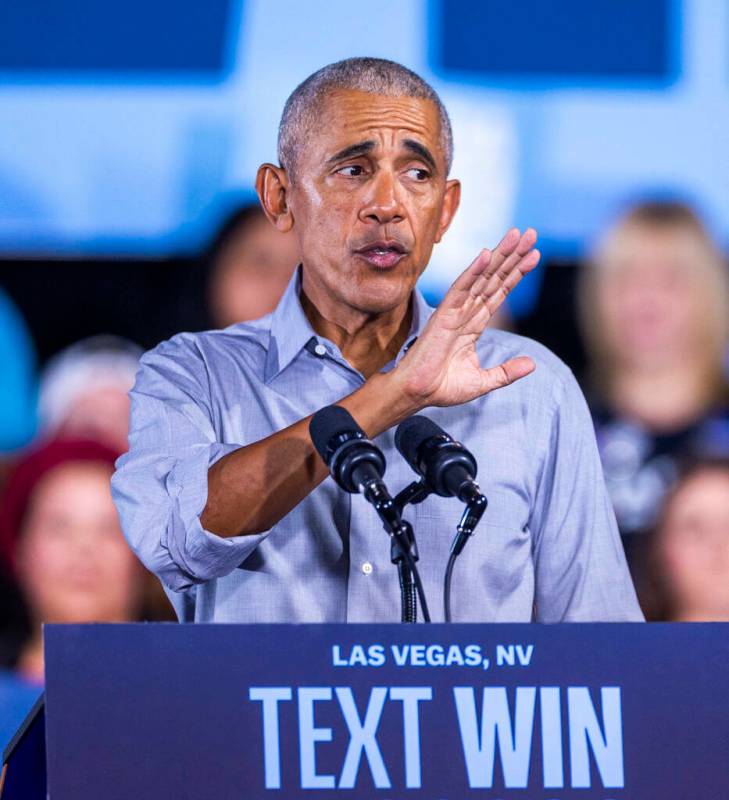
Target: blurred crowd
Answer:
[[63, 557], [654, 313]]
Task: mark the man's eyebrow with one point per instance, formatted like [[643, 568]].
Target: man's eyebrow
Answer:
[[421, 151], [362, 148], [353, 151]]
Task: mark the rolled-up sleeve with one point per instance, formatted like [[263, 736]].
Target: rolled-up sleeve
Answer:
[[581, 572], [160, 486]]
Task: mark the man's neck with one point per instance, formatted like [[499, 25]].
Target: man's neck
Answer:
[[367, 341]]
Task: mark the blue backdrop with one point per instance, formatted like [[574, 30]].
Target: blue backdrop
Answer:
[[124, 126]]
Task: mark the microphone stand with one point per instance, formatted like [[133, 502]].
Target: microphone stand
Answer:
[[403, 550], [408, 590], [415, 493], [358, 466], [475, 503]]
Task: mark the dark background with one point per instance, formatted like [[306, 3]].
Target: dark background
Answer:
[[148, 300]]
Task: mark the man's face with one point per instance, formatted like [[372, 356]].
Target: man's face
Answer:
[[369, 198]]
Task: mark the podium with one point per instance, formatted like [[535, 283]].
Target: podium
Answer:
[[443, 712]]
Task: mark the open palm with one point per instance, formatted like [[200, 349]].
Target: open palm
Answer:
[[442, 367]]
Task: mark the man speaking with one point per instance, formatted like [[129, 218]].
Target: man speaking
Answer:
[[222, 493]]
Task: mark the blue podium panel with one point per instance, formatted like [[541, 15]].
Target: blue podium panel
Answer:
[[441, 712]]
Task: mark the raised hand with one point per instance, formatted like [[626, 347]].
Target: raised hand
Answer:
[[442, 368]]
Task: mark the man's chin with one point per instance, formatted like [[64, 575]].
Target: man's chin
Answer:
[[380, 293]]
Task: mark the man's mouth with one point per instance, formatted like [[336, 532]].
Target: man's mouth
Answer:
[[384, 254]]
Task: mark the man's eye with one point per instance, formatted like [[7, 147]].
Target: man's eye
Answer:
[[418, 174], [351, 171]]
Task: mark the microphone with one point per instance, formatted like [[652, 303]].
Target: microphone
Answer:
[[353, 460], [358, 466], [447, 468], [445, 465]]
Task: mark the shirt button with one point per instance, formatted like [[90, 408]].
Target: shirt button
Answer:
[[367, 568], [320, 350]]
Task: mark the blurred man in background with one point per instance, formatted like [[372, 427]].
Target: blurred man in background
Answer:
[[84, 391]]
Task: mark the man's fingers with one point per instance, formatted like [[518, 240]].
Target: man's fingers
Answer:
[[506, 373], [522, 251], [493, 273], [503, 250], [494, 290], [512, 248], [523, 247], [527, 241], [475, 269], [509, 242], [497, 290]]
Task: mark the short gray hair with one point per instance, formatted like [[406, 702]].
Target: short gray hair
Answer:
[[371, 75]]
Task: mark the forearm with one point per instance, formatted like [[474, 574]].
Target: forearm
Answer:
[[254, 487]]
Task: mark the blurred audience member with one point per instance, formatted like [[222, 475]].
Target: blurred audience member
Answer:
[[687, 567], [249, 265], [61, 541], [655, 314], [84, 391], [18, 380]]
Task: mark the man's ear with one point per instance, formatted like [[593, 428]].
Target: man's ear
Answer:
[[272, 185], [451, 201]]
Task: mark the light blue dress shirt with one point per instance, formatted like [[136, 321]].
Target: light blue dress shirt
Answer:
[[547, 548]]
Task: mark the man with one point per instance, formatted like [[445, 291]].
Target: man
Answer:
[[222, 494]]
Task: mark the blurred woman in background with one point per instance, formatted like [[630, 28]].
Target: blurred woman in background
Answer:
[[61, 541], [687, 570], [84, 394], [654, 305], [249, 264]]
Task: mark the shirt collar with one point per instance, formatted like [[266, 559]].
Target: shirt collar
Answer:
[[291, 330]]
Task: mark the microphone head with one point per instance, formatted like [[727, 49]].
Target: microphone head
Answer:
[[351, 457], [412, 433], [443, 463], [329, 427]]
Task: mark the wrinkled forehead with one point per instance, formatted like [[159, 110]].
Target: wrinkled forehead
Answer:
[[345, 118]]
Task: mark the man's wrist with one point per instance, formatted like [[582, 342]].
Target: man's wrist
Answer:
[[381, 403]]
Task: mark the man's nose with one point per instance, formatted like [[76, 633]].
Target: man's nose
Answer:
[[383, 203]]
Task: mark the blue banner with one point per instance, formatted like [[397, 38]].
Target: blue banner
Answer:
[[180, 39], [362, 711], [603, 40]]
